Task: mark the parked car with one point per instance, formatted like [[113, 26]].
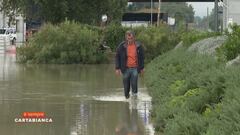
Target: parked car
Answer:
[[9, 32]]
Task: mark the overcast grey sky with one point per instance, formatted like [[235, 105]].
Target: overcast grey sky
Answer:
[[200, 8]]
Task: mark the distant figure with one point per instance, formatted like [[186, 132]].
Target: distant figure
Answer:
[[130, 62]]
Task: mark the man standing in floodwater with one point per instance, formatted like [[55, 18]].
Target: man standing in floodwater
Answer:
[[130, 62]]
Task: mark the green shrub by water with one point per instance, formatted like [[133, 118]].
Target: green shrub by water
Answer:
[[114, 34], [193, 36], [70, 42], [231, 48], [65, 43], [193, 95], [156, 40]]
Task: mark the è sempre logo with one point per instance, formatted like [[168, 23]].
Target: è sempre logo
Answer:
[[33, 117]]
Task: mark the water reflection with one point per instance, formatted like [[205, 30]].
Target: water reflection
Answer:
[[81, 100], [109, 118], [132, 124]]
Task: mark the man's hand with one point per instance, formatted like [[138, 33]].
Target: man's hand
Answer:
[[118, 72], [142, 72]]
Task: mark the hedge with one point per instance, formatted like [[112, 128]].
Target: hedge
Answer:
[[66, 43], [193, 94]]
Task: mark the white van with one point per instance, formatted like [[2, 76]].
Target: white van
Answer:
[[9, 32]]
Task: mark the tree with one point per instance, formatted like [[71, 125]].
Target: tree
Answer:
[[208, 22], [90, 12], [179, 10], [48, 10], [10, 7], [55, 11]]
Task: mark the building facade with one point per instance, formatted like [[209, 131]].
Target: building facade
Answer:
[[19, 24], [3, 20], [231, 12]]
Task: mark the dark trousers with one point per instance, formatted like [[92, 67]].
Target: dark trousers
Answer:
[[130, 78]]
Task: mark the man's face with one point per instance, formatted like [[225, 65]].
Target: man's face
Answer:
[[130, 37]]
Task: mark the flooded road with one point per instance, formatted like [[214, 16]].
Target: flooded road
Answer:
[[80, 99]]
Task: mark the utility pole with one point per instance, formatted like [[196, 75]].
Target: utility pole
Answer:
[[159, 11], [207, 18], [151, 12], [4, 20], [216, 16]]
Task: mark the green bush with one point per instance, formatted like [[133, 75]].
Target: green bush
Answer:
[[182, 124], [227, 114], [70, 42], [114, 34], [193, 94], [157, 40], [193, 36], [231, 48], [66, 43]]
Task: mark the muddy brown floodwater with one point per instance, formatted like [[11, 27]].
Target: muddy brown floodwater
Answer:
[[80, 99]]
